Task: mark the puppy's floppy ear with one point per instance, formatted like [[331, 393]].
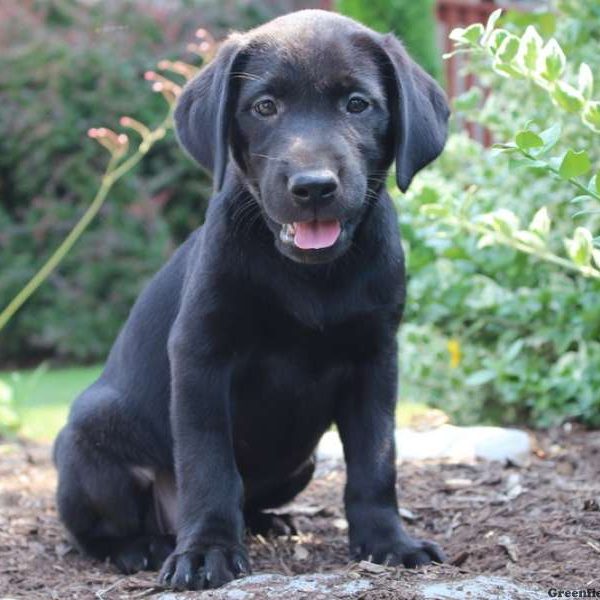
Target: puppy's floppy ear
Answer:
[[419, 112], [205, 109]]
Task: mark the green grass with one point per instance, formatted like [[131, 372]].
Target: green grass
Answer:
[[43, 396]]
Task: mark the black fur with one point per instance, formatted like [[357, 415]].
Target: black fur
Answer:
[[244, 349]]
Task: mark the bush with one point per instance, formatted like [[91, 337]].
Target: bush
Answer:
[[413, 22], [503, 319], [62, 70]]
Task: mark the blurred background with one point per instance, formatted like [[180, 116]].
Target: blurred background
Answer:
[[491, 334]]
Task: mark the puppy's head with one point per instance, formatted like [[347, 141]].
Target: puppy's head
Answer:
[[310, 110]]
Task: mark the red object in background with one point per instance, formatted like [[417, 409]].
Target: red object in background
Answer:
[[461, 13]]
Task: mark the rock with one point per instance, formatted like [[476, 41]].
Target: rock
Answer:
[[463, 444], [482, 588], [349, 584], [318, 586]]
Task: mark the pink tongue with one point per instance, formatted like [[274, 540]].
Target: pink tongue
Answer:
[[316, 234]]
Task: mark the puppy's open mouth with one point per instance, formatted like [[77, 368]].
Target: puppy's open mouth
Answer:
[[311, 235]]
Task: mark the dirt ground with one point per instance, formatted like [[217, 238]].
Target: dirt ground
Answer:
[[537, 523]]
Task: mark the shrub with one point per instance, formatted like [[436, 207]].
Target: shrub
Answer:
[[63, 69], [503, 319]]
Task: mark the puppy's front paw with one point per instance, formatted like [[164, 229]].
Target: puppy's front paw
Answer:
[[210, 566], [405, 551]]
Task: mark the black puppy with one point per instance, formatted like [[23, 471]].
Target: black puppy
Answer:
[[274, 320]]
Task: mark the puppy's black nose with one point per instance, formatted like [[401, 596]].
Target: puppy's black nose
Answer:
[[313, 187]]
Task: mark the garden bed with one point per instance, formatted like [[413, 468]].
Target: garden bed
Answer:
[[536, 523]]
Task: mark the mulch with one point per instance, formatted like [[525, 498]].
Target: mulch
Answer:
[[537, 523]]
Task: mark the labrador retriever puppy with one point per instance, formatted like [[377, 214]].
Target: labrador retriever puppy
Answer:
[[274, 320]]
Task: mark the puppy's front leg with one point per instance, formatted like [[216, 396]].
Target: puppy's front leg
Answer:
[[209, 550], [365, 419]]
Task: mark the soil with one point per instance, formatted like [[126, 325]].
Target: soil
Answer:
[[537, 523]]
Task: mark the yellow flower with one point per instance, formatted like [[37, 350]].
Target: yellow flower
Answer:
[[455, 352]]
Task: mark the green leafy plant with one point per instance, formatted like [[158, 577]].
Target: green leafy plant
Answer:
[[123, 159], [62, 65], [544, 65], [503, 323]]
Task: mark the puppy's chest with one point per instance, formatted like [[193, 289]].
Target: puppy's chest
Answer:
[[282, 403], [286, 385]]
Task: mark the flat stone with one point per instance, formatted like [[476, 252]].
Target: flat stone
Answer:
[[461, 444], [482, 588], [267, 586], [344, 584]]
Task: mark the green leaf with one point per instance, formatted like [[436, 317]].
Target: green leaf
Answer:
[[594, 185], [529, 238], [579, 199], [506, 70], [502, 220], [554, 61], [457, 34], [580, 247], [496, 38], [591, 115], [574, 164], [525, 161], [550, 137], [473, 33], [490, 25], [480, 377], [469, 100], [567, 97], [527, 139], [427, 195], [585, 81], [513, 351], [486, 240], [540, 224], [434, 211], [530, 49], [586, 211], [555, 161], [508, 48]]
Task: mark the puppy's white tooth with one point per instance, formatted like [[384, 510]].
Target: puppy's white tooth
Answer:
[[286, 233]]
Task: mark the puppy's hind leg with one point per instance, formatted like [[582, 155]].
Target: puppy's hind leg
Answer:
[[105, 508]]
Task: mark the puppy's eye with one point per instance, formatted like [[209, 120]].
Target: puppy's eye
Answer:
[[265, 107], [356, 104]]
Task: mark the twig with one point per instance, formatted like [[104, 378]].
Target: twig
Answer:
[[112, 175], [101, 593]]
